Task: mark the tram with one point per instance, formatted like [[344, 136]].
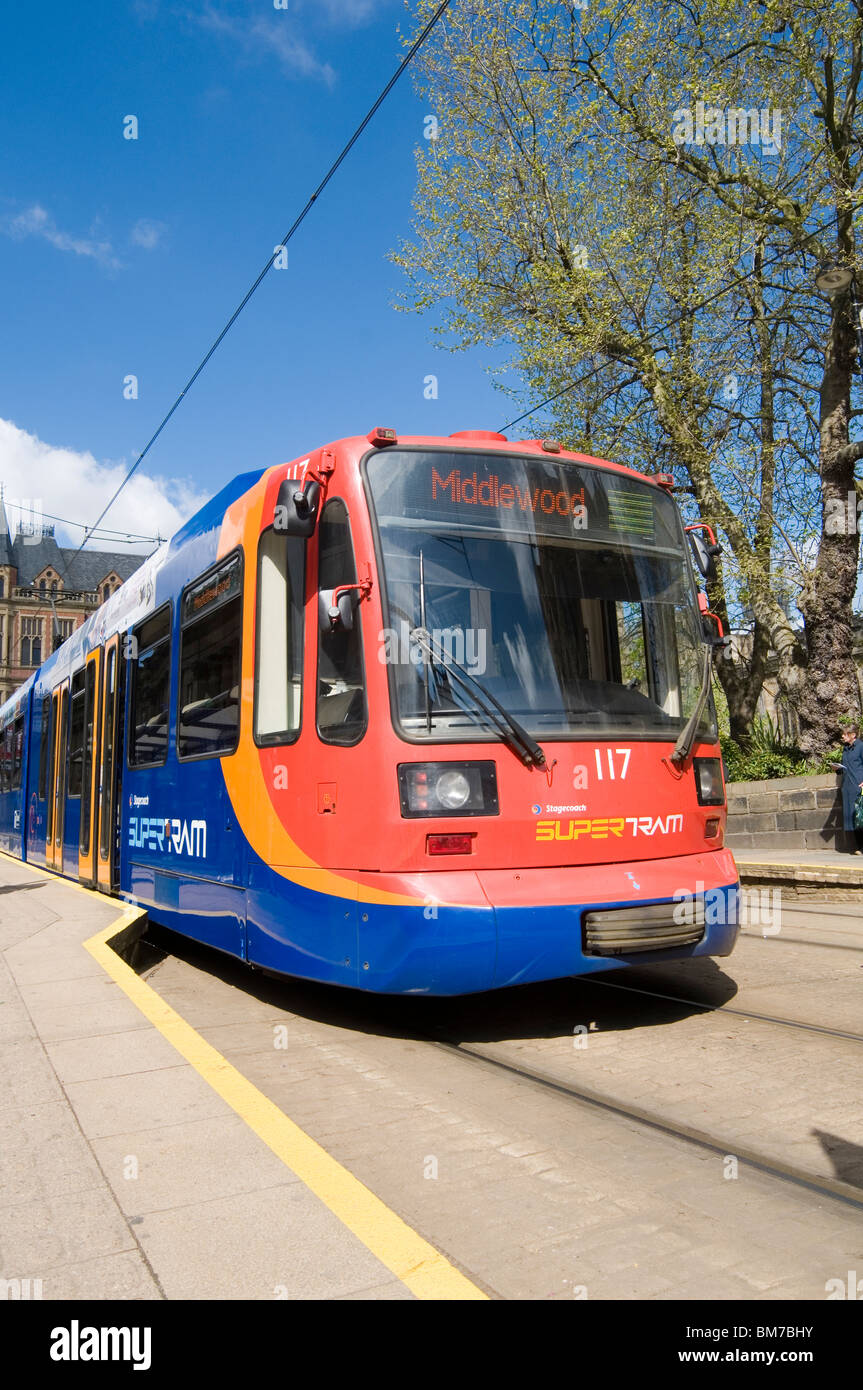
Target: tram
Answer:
[[409, 714]]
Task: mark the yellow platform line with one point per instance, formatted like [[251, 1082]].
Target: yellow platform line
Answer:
[[424, 1270]]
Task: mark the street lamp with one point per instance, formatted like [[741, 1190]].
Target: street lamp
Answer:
[[833, 278]]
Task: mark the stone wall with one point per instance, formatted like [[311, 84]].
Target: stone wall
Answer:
[[792, 813]]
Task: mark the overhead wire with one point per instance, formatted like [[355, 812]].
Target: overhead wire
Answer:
[[298, 221], [118, 537]]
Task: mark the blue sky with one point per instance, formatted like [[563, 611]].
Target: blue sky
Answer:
[[122, 257]]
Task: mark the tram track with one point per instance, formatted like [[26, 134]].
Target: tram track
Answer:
[[726, 1009], [832, 920], [785, 940], [690, 1134], [496, 1059]]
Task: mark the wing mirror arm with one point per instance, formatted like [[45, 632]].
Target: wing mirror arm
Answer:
[[298, 506], [708, 617], [336, 606]]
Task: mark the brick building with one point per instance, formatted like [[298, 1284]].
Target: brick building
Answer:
[[45, 593]]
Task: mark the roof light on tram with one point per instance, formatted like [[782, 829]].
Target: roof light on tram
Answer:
[[551, 446], [382, 434], [662, 479]]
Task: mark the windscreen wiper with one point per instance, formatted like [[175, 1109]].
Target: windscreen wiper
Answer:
[[683, 746], [512, 733]]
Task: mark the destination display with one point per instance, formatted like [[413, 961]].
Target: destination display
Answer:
[[217, 589], [534, 496]]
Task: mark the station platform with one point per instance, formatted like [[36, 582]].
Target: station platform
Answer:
[[136, 1163], [803, 873]]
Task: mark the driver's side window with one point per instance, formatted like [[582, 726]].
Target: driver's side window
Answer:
[[342, 713]]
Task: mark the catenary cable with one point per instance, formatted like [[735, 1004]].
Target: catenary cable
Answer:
[[406, 61]]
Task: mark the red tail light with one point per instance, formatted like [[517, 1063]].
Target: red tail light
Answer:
[[449, 844]]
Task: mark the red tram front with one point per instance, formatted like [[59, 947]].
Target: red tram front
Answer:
[[492, 756]]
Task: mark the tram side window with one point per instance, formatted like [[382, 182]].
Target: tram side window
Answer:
[[17, 751], [279, 655], [44, 746], [151, 684], [6, 758], [342, 711], [210, 657], [76, 734]]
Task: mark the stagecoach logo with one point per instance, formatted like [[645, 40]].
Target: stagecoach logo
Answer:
[[602, 829], [139, 801], [145, 591], [169, 836]]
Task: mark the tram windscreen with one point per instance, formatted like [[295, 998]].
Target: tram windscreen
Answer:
[[565, 589]]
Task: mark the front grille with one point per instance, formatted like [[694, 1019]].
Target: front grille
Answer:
[[618, 931]]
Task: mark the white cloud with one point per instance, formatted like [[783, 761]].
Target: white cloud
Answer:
[[147, 233], [268, 36], [35, 221], [66, 483]]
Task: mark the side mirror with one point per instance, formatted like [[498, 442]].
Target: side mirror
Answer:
[[297, 508], [336, 609], [704, 554]]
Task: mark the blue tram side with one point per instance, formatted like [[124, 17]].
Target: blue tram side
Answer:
[[68, 795], [14, 756]]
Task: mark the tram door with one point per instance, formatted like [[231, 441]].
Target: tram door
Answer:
[[88, 831], [57, 785], [106, 779]]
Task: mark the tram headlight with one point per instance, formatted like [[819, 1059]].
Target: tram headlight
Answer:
[[708, 781], [452, 790], [448, 789]]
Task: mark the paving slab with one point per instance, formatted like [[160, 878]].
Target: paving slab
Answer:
[[179, 1165], [269, 1244], [43, 1154]]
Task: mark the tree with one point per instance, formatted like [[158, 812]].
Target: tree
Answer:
[[636, 198]]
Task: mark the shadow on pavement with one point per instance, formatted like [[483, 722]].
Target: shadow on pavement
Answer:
[[548, 1010]]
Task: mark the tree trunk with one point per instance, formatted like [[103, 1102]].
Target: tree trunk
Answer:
[[831, 690], [742, 682]]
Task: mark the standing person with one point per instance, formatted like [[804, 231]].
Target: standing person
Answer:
[[852, 780]]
